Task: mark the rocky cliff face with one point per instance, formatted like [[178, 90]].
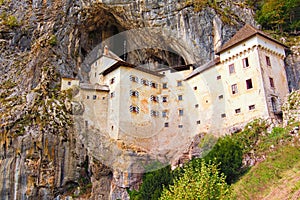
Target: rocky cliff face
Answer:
[[42, 155]]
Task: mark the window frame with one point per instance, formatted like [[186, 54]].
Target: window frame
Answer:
[[245, 62], [234, 89], [231, 68], [249, 84]]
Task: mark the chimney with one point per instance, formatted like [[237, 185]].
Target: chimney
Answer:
[[105, 50]]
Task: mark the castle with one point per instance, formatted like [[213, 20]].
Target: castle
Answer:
[[246, 80]]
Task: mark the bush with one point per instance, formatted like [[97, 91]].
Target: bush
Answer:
[[53, 40], [199, 181], [153, 183], [12, 21], [228, 153]]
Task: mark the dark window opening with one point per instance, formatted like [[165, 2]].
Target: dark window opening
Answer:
[[69, 82], [272, 82], [251, 107], [245, 62], [165, 85], [249, 84], [268, 61], [238, 110], [223, 115]]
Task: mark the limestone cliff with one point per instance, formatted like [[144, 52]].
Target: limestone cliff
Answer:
[[42, 155]]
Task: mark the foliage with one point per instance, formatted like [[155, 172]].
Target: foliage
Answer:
[[53, 40], [281, 166], [282, 14], [228, 153], [153, 183], [250, 136], [207, 143], [12, 21], [199, 181]]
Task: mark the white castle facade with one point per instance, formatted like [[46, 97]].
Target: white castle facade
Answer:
[[247, 80]]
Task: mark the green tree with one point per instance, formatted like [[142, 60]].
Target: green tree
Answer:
[[280, 14], [153, 183], [228, 153], [199, 181]]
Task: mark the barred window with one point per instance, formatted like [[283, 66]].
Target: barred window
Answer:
[[165, 86], [134, 109], [180, 112], [134, 93], [144, 82], [154, 113], [234, 89], [153, 84], [154, 98], [134, 78]]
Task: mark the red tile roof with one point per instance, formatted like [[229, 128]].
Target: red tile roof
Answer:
[[244, 33]]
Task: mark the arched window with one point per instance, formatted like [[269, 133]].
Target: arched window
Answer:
[[274, 104]]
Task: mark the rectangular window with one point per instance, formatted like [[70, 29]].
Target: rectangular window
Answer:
[[69, 82], [165, 85], [271, 82], [164, 113], [196, 105], [134, 93], [167, 124], [221, 97], [112, 80], [144, 82], [164, 99], [179, 83], [153, 84], [86, 123], [268, 61], [112, 94], [134, 109], [249, 84], [223, 115], [180, 98], [94, 97], [231, 69], [198, 122], [195, 88], [180, 112], [180, 126], [134, 78], [245, 62], [251, 107], [234, 89], [219, 77], [154, 98], [237, 110], [95, 74], [87, 97], [154, 113]]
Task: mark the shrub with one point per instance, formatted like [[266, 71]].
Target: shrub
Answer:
[[153, 183], [200, 181], [53, 40], [228, 153]]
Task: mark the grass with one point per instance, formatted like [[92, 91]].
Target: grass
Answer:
[[280, 168]]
